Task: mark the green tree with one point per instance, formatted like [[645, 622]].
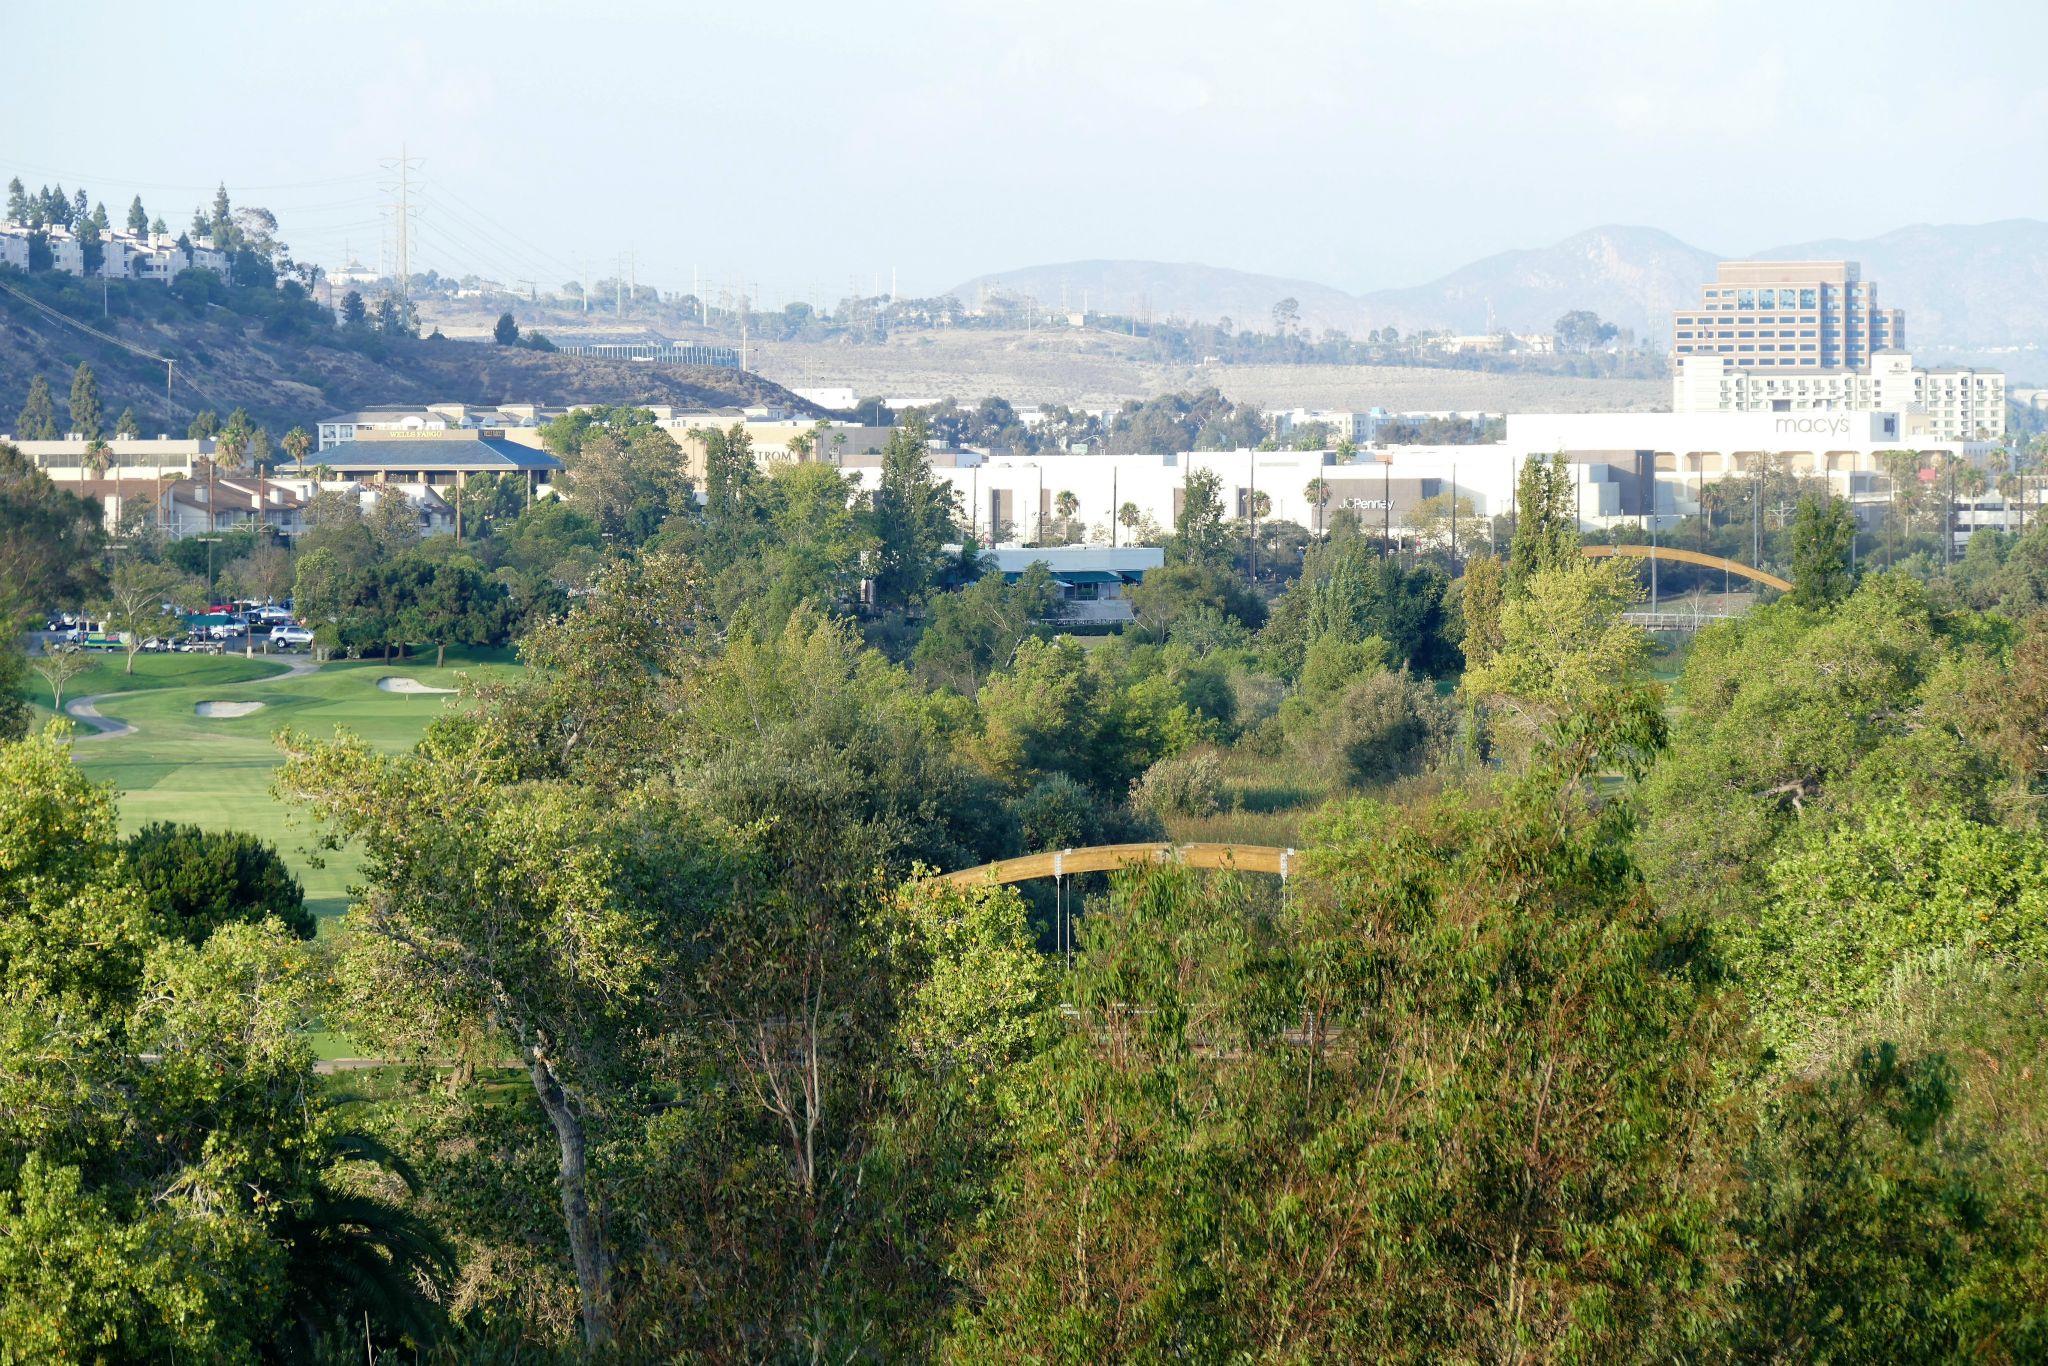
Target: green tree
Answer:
[[552, 935], [1198, 534], [913, 515], [1376, 1105], [1794, 717], [87, 418], [1546, 521], [1892, 888], [194, 881], [1823, 537], [204, 424], [506, 333], [628, 481], [136, 597], [159, 1128], [138, 217], [38, 418], [971, 633], [126, 427], [1169, 594], [51, 543], [353, 314], [1582, 330], [17, 202], [1347, 590], [1484, 586], [57, 668]]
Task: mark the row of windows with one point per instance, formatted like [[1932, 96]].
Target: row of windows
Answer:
[[1803, 296], [1787, 334]]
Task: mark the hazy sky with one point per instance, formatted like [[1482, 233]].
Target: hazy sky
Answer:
[[796, 146]]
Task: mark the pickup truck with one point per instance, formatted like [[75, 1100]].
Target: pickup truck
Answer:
[[89, 636]]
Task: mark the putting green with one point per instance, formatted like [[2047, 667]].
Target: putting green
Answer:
[[216, 771]]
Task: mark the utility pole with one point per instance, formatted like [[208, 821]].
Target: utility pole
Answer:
[[404, 211]]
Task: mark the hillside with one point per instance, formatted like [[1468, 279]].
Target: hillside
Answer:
[[286, 372], [1630, 276], [1966, 288]]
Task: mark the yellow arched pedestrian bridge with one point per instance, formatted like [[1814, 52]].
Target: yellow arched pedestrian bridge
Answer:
[[1102, 858], [1665, 552]]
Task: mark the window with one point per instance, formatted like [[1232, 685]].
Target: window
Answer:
[[1745, 334], [1742, 348], [1806, 298], [1746, 299], [1766, 298]]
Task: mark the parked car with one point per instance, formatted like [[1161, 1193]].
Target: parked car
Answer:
[[226, 630], [290, 637]]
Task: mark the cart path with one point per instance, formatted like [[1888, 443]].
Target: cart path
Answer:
[[87, 709]]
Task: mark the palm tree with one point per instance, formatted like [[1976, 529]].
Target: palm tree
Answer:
[[98, 455], [296, 443], [227, 450], [1317, 491], [1066, 504], [1972, 483], [354, 1255], [1129, 515]]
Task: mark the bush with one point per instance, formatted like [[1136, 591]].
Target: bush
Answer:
[[1060, 813], [195, 881], [1186, 785], [1381, 727]]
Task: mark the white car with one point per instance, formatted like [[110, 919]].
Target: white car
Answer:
[[288, 637]]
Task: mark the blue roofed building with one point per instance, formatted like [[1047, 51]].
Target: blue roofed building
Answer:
[[438, 458], [1092, 578]]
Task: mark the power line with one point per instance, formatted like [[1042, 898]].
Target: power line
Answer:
[[135, 184], [169, 363]]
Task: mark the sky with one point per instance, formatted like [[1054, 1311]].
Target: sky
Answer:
[[794, 150]]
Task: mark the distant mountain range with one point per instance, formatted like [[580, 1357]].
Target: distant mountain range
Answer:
[[1967, 288]]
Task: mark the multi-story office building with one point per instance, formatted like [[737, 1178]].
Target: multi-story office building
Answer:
[[1952, 404], [1780, 315]]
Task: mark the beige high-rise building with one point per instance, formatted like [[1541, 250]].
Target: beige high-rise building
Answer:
[[1788, 315]]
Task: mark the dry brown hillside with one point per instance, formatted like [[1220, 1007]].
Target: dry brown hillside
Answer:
[[287, 373]]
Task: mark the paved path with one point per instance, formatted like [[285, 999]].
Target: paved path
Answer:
[[87, 709]]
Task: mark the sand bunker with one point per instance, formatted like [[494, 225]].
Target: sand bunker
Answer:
[[408, 685], [226, 709]]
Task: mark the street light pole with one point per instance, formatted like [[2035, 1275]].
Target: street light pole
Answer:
[[1386, 459]]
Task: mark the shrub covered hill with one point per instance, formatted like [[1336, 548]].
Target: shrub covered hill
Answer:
[[287, 359]]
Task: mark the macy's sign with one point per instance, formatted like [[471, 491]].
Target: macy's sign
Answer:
[[1828, 426]]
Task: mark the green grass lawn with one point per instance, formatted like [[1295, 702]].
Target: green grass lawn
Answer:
[[216, 772], [152, 672]]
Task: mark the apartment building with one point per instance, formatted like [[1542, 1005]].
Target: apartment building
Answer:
[[1780, 315], [124, 255], [1950, 404]]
